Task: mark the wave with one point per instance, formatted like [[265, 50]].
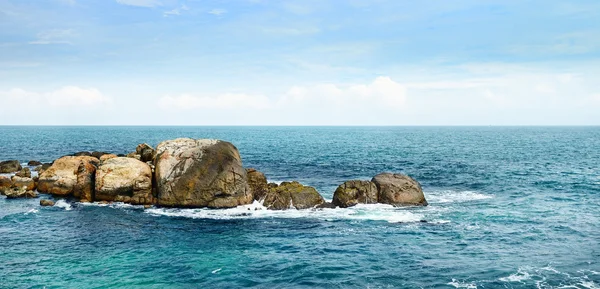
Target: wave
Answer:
[[458, 284], [540, 277], [63, 204], [361, 212], [441, 197]]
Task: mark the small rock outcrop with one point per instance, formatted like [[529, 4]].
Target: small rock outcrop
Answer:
[[24, 173], [19, 182], [145, 151], [351, 193], [10, 167], [18, 193], [292, 195], [46, 203], [33, 163], [98, 155], [82, 154], [42, 168], [124, 180], [258, 184], [106, 157], [200, 173], [399, 190], [70, 176]]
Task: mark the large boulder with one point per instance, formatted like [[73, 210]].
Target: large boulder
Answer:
[[10, 167], [145, 151], [292, 195], [200, 173], [399, 190], [355, 192], [17, 193], [125, 180], [19, 182], [258, 184], [5, 184], [70, 176], [24, 173]]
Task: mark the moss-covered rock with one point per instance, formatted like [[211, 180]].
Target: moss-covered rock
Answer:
[[292, 195], [258, 184], [351, 193]]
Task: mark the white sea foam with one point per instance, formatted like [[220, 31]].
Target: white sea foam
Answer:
[[32, 211], [441, 197], [458, 284], [216, 270], [63, 204], [520, 276], [372, 212]]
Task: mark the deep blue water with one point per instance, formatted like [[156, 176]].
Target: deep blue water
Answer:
[[510, 207]]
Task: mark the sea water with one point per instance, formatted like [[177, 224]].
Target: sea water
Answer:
[[509, 207]]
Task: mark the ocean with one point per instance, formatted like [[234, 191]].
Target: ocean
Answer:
[[509, 207]]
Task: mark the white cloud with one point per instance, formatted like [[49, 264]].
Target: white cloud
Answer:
[[140, 3], [217, 11], [55, 36], [76, 96], [223, 101], [176, 11]]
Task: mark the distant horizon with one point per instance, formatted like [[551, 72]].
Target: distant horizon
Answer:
[[299, 62]]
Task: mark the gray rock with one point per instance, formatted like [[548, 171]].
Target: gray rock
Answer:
[[355, 192], [292, 195], [399, 190], [10, 166]]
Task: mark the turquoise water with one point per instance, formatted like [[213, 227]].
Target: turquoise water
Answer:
[[510, 207]]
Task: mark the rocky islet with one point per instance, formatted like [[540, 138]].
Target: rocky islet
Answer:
[[191, 173]]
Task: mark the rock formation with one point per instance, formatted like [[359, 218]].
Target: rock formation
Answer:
[[292, 195], [258, 184], [399, 190], [200, 173], [124, 179], [10, 167], [70, 176], [355, 192]]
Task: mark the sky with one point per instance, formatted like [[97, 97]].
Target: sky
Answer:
[[305, 62]]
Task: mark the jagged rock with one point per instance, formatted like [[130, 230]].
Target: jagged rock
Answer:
[[34, 163], [19, 182], [355, 192], [82, 154], [46, 203], [98, 155], [124, 180], [398, 190], [10, 166], [22, 192], [24, 173], [106, 157], [258, 184], [145, 151], [290, 195], [326, 205], [70, 176], [5, 184], [200, 173]]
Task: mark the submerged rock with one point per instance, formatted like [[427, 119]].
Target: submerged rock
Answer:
[[258, 184], [19, 182], [124, 180], [70, 176], [200, 173], [17, 193], [82, 154], [34, 163], [399, 190], [24, 173], [351, 193], [292, 195], [46, 203], [10, 166]]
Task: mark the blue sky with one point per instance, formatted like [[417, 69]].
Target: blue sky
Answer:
[[261, 62]]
